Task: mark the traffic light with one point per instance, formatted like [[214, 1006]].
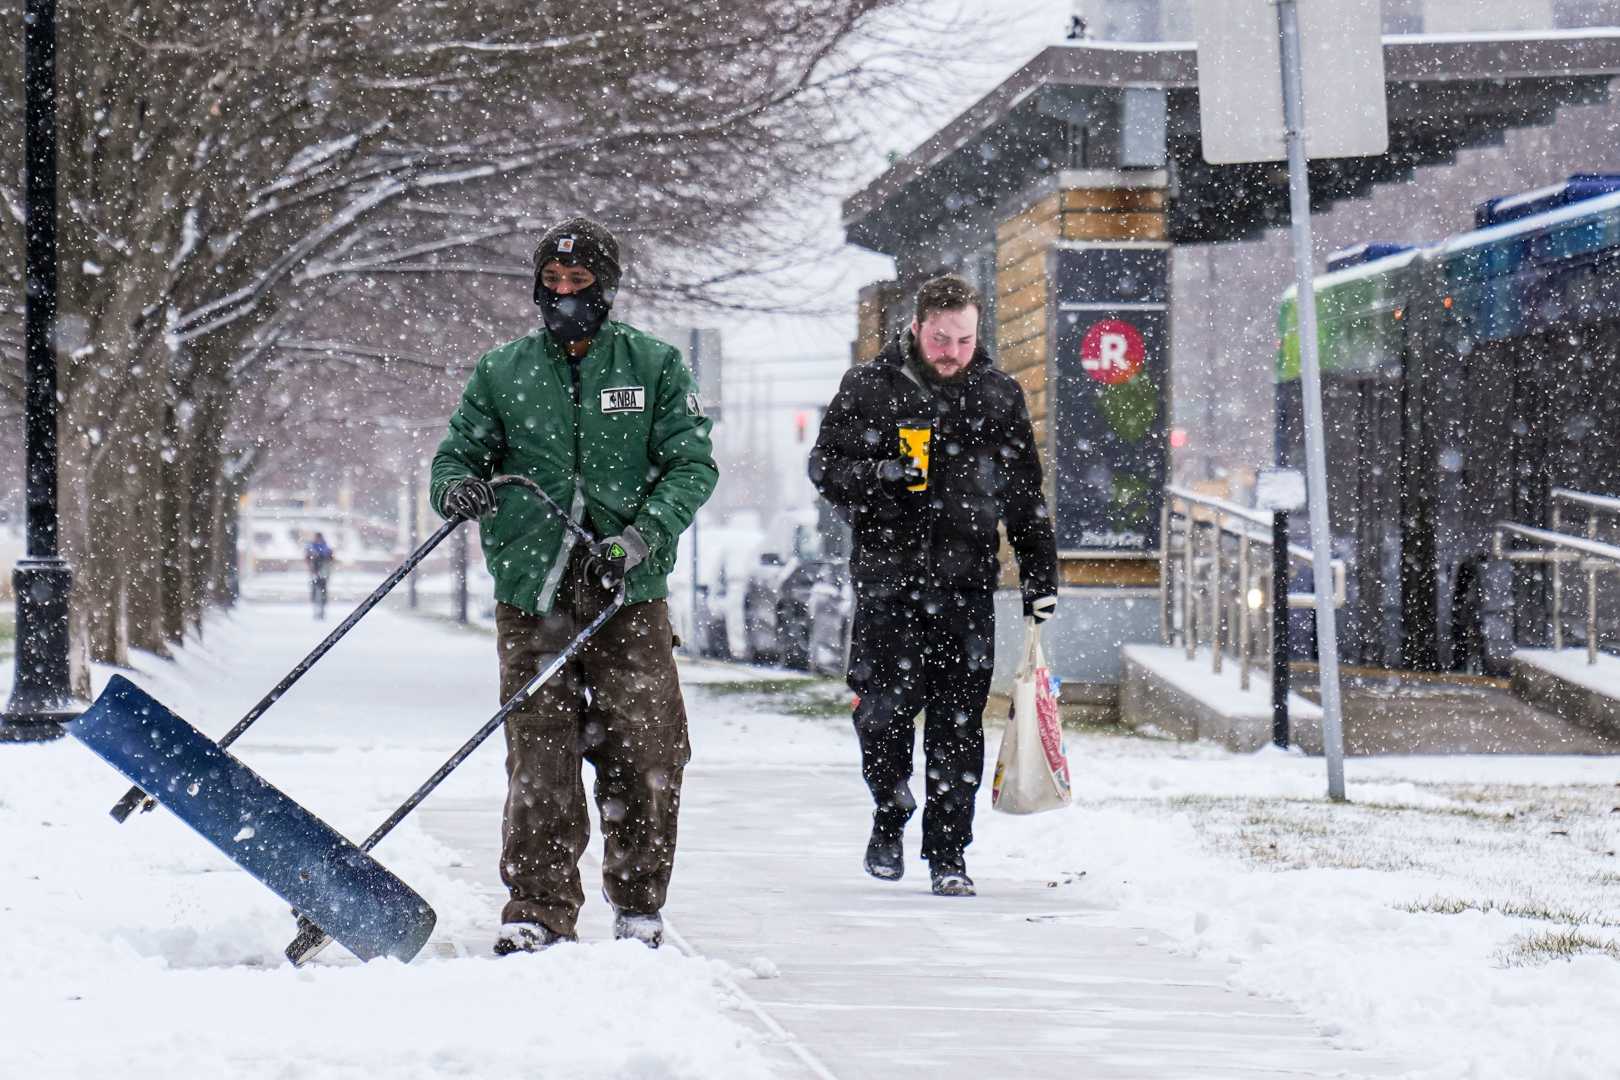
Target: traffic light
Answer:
[[801, 421]]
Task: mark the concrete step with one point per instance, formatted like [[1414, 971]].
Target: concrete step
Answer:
[[1391, 712]]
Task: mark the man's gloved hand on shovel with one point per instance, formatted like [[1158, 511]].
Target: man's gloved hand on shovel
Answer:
[[611, 559], [470, 497]]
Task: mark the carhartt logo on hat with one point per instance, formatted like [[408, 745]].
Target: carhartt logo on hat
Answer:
[[579, 242]]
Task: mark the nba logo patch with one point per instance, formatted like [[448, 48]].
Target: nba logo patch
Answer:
[[565, 244], [619, 399]]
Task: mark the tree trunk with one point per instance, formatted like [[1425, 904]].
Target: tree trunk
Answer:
[[94, 537], [179, 460], [148, 541]]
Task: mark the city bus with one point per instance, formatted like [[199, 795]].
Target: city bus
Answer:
[[1462, 381]]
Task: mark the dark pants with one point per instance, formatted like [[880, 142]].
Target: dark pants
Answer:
[[617, 705], [923, 651]]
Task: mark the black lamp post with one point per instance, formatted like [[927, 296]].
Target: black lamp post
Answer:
[[41, 696]]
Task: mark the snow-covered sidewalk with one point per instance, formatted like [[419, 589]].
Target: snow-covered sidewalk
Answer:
[[1196, 914]]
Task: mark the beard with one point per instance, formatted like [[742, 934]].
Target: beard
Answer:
[[920, 364], [928, 371], [933, 374]]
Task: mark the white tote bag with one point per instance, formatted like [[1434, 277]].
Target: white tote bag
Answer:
[[1032, 769]]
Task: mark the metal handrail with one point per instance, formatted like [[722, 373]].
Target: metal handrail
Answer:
[[1586, 552], [1582, 550], [1225, 519], [1247, 513], [1296, 552], [1608, 504]]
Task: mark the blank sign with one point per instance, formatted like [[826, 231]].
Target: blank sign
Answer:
[[1240, 79]]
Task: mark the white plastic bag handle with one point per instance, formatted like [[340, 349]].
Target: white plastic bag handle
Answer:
[[1033, 657]]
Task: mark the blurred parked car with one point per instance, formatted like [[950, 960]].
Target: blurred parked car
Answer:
[[776, 609], [832, 609], [776, 596], [709, 631]]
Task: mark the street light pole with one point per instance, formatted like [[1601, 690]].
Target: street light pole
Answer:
[[41, 698]]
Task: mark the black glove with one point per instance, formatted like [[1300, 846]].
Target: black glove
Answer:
[[895, 474], [1040, 608], [470, 498], [611, 559]]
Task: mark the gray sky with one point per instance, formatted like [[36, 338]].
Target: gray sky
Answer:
[[1010, 33]]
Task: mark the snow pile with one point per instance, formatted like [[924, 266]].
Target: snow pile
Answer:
[[139, 951]]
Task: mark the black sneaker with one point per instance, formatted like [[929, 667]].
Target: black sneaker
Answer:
[[646, 927], [526, 937], [951, 878], [885, 857]]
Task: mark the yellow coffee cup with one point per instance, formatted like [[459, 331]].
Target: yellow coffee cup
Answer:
[[915, 435]]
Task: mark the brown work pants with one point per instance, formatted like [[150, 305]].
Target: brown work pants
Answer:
[[618, 705]]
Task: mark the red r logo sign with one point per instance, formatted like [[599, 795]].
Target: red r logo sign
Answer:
[[1112, 351]]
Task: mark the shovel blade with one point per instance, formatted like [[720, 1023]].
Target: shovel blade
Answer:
[[295, 854]]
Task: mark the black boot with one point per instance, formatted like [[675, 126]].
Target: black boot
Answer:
[[646, 927], [950, 877], [526, 937], [885, 855]]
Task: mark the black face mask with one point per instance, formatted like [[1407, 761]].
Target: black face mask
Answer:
[[577, 316]]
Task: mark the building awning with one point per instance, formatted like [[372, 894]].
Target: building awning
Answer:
[[1114, 106]]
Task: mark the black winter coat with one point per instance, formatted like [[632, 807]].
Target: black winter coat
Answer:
[[982, 468]]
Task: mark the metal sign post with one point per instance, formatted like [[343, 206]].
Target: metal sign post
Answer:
[[1299, 212], [696, 354], [1253, 79]]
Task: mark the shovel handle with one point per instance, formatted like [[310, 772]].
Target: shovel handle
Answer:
[[136, 797], [133, 798], [311, 939], [582, 534]]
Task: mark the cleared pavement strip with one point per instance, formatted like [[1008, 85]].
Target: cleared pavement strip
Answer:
[[867, 979]]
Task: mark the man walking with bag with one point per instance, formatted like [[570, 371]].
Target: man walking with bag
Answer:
[[606, 420], [924, 451]]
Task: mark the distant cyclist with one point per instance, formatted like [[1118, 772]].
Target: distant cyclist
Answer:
[[318, 557]]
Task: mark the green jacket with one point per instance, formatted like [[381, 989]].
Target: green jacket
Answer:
[[633, 451]]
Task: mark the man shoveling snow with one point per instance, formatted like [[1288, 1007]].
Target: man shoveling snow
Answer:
[[606, 420]]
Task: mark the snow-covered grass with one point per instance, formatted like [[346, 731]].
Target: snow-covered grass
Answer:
[[1461, 913], [785, 694], [8, 628]]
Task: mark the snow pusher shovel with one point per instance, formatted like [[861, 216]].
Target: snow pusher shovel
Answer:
[[136, 797], [333, 885], [291, 851], [314, 934]]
